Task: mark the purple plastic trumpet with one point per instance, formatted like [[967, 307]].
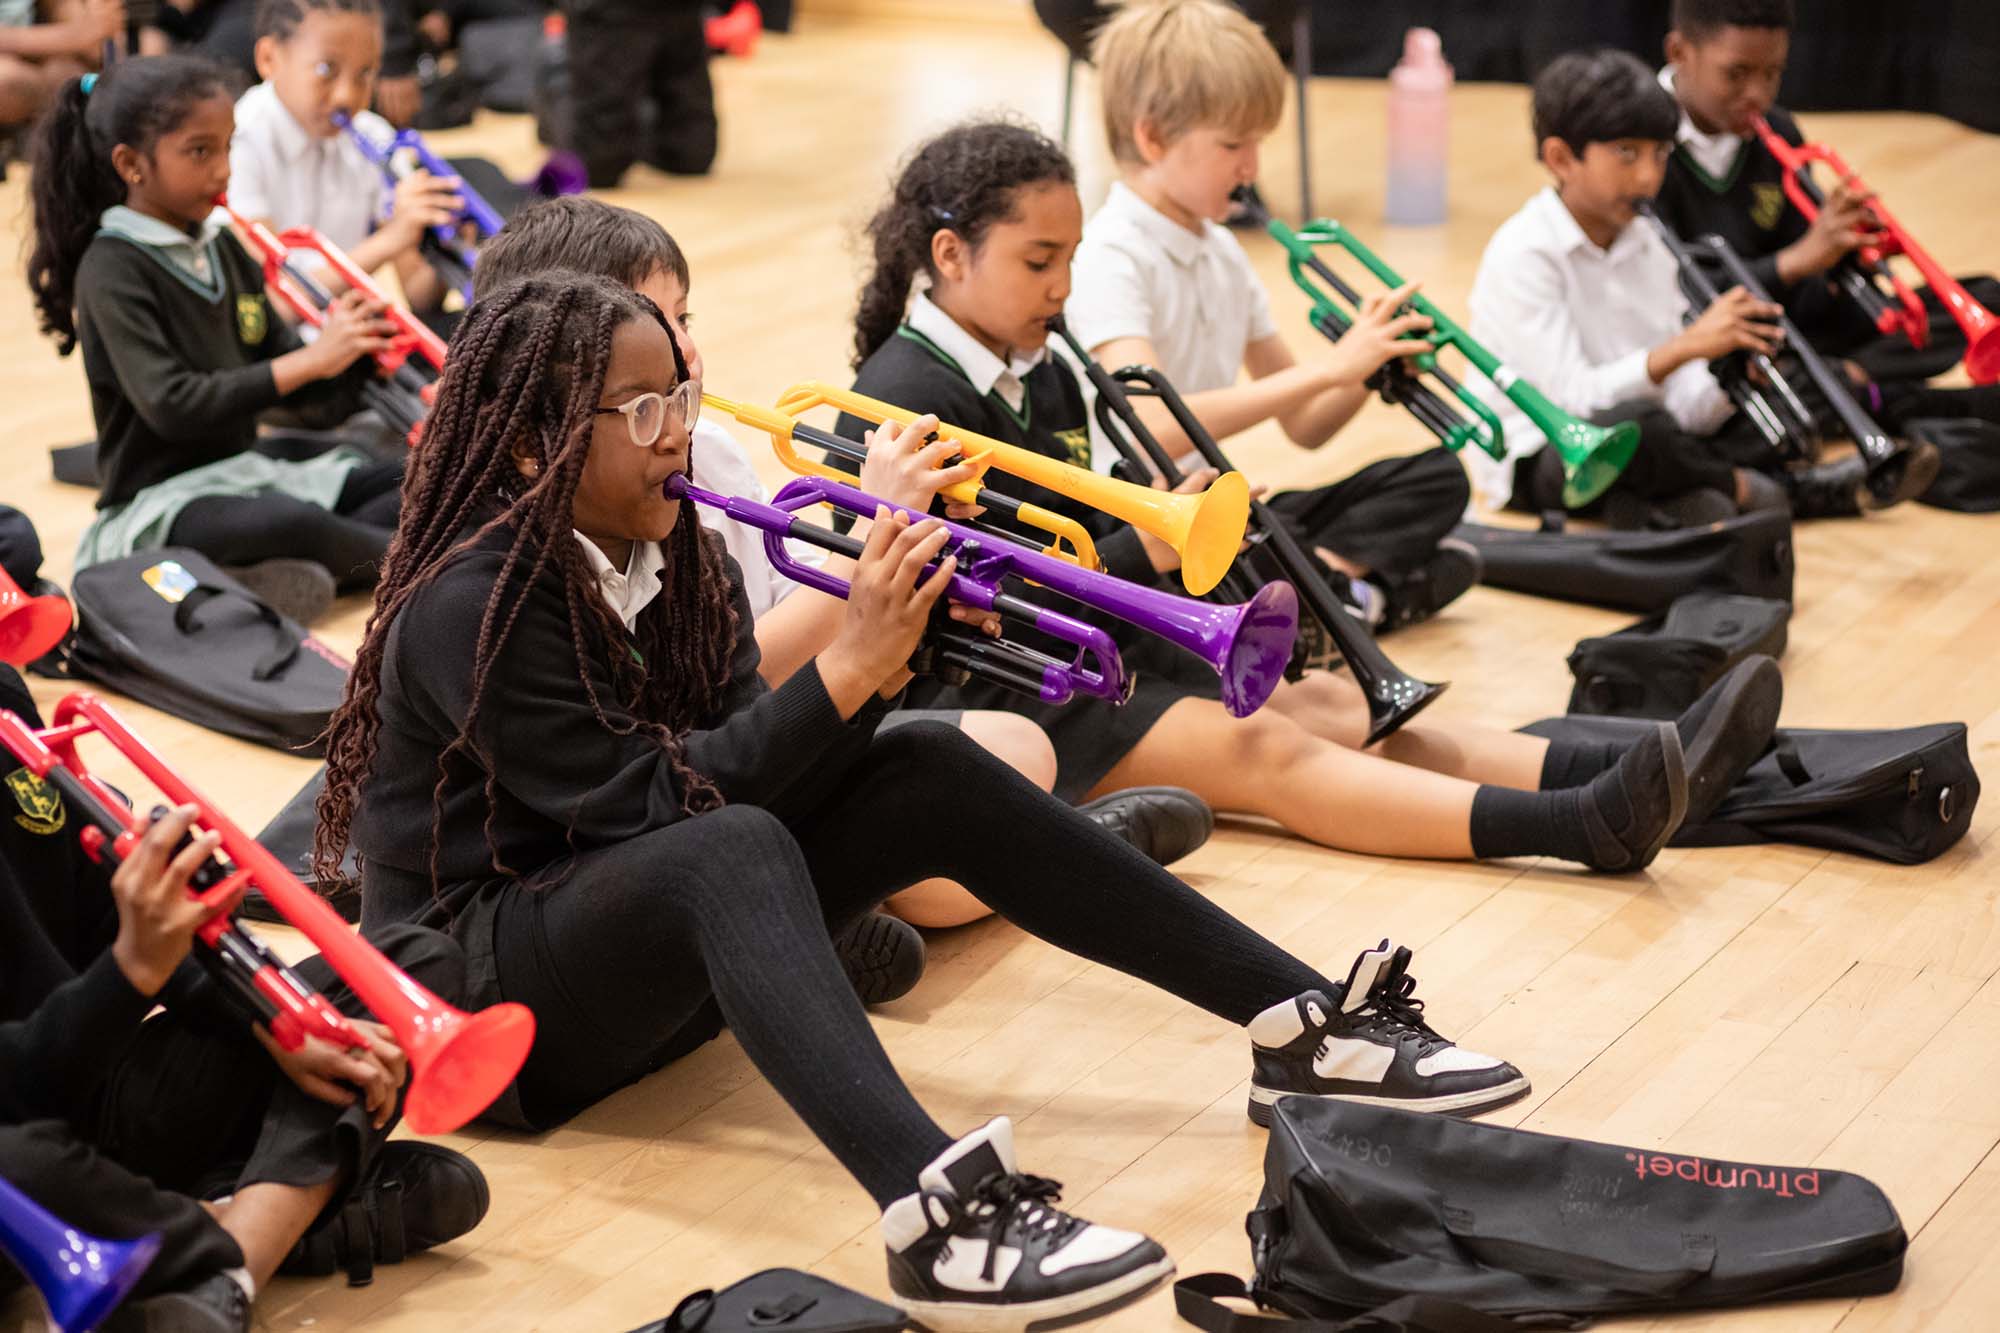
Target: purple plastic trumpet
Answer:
[[1247, 644]]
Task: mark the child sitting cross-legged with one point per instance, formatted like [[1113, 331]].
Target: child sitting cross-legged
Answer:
[[182, 352], [1580, 295], [1190, 90]]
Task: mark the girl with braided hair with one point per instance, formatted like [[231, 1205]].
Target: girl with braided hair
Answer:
[[555, 746]]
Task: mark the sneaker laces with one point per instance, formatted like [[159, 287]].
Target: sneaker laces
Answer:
[[1393, 1009], [1017, 1197]]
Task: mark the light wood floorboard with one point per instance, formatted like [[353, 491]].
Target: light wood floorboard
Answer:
[[1764, 1003]]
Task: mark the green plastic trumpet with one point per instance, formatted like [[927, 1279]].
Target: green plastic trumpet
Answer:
[[1592, 456]]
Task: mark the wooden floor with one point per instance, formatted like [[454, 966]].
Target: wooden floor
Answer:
[[1764, 1003]]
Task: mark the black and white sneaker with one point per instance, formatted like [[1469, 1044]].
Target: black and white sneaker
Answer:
[[1372, 1046], [982, 1248]]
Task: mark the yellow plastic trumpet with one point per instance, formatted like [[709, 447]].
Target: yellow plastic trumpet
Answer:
[[1205, 529]]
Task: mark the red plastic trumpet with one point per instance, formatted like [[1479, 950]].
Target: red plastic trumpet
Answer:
[[404, 395], [1905, 312], [459, 1062], [29, 626]]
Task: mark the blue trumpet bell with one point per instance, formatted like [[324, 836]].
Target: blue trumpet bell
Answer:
[[82, 1277]]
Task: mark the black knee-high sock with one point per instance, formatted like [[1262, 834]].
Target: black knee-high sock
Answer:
[[1573, 763], [1510, 822]]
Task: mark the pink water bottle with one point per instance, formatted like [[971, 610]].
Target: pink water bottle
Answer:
[[1419, 130]]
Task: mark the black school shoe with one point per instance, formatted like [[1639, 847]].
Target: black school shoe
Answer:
[[1723, 732], [1451, 572], [883, 957], [1371, 1045], [415, 1196], [982, 1248], [1633, 807], [1163, 823], [214, 1305], [299, 590]]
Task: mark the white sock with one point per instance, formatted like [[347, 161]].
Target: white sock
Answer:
[[241, 1277]]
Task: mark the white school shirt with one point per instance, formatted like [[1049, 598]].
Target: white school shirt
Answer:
[[720, 465], [987, 372], [1578, 322], [1195, 298], [281, 171], [1715, 153], [628, 591]]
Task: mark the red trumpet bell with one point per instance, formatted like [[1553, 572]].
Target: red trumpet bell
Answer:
[[736, 32], [29, 626]]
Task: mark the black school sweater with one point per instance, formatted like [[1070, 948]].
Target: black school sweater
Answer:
[[912, 372], [566, 785], [66, 1011], [1748, 208], [177, 375]]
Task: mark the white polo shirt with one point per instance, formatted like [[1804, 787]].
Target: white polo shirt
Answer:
[[281, 171], [1140, 274], [1578, 322]]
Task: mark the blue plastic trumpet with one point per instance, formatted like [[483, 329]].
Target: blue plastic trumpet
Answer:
[[82, 1278]]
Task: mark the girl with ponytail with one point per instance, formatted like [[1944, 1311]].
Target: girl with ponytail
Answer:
[[971, 260], [181, 350]]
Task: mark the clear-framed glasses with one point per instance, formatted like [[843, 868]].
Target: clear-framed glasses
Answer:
[[646, 416]]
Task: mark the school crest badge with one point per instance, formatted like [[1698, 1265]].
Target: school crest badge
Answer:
[[1076, 443], [253, 318], [1767, 204], [41, 805]]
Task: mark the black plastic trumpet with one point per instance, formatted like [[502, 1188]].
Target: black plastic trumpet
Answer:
[[1768, 398], [1329, 632]]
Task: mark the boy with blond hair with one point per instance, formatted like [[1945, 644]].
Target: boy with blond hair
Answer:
[[1190, 89]]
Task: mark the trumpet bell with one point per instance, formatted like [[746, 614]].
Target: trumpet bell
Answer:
[[1592, 457], [30, 626], [1259, 648], [82, 1277], [1214, 532], [460, 1062], [1982, 351]]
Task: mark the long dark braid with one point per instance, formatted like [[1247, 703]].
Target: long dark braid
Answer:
[[525, 372]]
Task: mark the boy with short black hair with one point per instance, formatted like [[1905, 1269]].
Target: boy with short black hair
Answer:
[[1583, 298], [1190, 88], [1725, 60]]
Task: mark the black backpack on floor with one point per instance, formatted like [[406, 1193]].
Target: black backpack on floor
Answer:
[[1457, 1222], [1658, 666], [170, 629], [1640, 571], [1903, 795]]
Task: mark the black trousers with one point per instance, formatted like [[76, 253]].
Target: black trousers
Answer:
[[350, 539], [195, 1106], [1668, 462], [87, 1190], [617, 950], [1388, 517], [640, 86]]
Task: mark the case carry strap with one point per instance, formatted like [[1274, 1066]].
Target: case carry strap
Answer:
[[1197, 1299], [284, 651], [1697, 1257]]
